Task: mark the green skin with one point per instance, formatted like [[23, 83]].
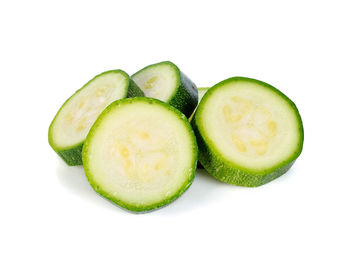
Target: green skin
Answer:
[[116, 200], [185, 97], [72, 155], [227, 171]]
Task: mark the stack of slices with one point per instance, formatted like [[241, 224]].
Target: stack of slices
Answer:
[[139, 137]]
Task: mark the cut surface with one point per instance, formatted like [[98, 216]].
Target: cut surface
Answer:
[[141, 154], [158, 81], [74, 120], [249, 125]]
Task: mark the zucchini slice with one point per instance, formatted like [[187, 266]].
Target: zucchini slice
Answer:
[[141, 154], [248, 132], [72, 122], [164, 81]]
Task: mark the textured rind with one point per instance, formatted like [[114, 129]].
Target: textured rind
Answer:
[[226, 171], [134, 90], [185, 97], [112, 198], [72, 155]]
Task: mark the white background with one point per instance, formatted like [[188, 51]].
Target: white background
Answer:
[[51, 217]]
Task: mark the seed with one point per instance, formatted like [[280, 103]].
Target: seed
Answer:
[[81, 126], [69, 118], [81, 104], [159, 165], [100, 92], [150, 82], [229, 117], [258, 142], [124, 151], [241, 147], [272, 126], [261, 150], [227, 113], [127, 164], [144, 135], [260, 146]]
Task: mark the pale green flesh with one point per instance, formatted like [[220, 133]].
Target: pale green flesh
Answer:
[[74, 120], [248, 125], [140, 155], [158, 81]]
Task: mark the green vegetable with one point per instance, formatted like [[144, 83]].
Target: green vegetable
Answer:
[[141, 154], [72, 122], [164, 81], [248, 132]]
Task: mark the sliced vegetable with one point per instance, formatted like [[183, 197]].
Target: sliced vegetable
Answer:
[[141, 154], [164, 81], [248, 132], [72, 122]]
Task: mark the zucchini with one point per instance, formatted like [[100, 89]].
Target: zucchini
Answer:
[[141, 154], [248, 132], [165, 81], [72, 122]]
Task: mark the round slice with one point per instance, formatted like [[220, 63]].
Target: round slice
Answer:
[[141, 154], [248, 132], [164, 81], [73, 121]]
